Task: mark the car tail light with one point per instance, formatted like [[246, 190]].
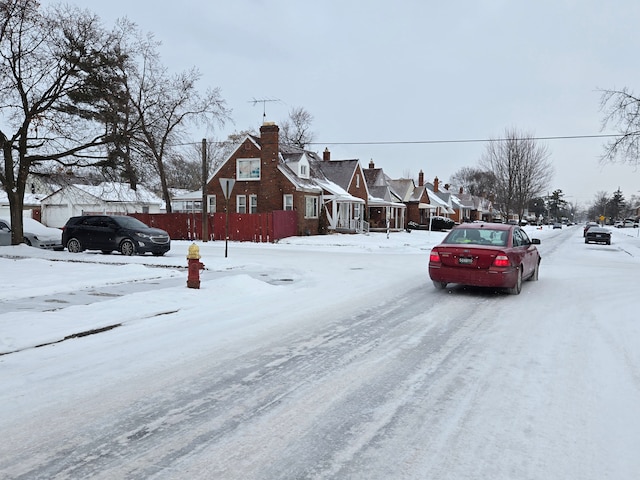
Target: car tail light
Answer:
[[501, 261], [434, 257]]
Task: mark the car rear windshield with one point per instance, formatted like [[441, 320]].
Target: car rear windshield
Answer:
[[477, 236]]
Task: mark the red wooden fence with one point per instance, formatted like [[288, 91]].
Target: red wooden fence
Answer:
[[243, 227]]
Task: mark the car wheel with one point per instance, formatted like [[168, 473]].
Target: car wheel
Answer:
[[536, 271], [74, 245], [26, 240], [440, 285], [515, 290], [127, 248], [586, 241], [608, 242]]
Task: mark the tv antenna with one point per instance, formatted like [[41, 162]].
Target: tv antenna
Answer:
[[264, 105]]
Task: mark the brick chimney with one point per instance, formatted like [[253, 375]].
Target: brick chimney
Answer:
[[326, 155], [269, 174], [420, 178], [269, 138], [372, 165], [436, 184]]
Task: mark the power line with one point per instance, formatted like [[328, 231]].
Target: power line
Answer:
[[476, 140], [428, 142]]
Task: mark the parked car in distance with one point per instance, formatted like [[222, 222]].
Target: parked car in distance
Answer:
[[34, 233], [557, 225], [109, 233], [598, 235], [485, 255], [628, 223], [588, 226]]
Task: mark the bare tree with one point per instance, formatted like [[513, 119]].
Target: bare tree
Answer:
[[520, 168], [164, 106], [474, 181], [219, 151], [296, 130], [47, 60], [183, 172], [621, 109], [599, 206]]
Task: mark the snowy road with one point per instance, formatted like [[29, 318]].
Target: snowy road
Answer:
[[413, 384]]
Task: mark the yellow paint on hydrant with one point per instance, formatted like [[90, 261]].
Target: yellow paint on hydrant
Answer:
[[194, 252]]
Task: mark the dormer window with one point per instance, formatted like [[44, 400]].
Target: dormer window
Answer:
[[304, 171]]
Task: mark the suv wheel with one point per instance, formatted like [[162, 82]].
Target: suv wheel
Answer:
[[127, 247], [74, 246]]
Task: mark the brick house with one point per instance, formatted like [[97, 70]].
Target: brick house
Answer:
[[416, 198], [270, 177]]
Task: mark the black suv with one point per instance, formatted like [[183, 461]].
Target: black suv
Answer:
[[128, 235]]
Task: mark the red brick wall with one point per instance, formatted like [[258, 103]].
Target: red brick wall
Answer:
[[359, 189]]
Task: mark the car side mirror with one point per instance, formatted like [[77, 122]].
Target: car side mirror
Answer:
[[535, 241]]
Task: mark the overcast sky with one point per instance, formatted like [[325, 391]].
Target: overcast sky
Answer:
[[412, 72]]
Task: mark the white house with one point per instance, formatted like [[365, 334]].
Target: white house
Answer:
[[107, 198]]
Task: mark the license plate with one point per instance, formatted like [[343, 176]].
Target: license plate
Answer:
[[465, 260]]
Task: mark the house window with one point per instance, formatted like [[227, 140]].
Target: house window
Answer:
[[288, 202], [357, 210], [311, 207], [248, 169], [241, 204], [211, 204], [358, 180], [304, 171], [253, 204]]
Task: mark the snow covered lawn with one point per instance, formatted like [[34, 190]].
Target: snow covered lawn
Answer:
[[321, 357]]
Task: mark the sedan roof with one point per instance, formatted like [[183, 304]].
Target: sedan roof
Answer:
[[490, 225]]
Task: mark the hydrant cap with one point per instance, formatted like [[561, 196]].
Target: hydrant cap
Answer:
[[194, 252]]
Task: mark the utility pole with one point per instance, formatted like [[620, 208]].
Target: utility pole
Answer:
[[205, 200]]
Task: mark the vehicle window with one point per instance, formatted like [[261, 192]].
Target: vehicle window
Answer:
[[463, 235], [129, 222], [92, 221], [108, 223], [520, 238], [525, 237], [498, 237], [4, 226], [516, 238], [478, 236]]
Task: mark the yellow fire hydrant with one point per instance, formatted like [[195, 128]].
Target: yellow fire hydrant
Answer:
[[193, 276]]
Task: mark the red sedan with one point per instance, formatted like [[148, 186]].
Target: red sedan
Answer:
[[485, 255]]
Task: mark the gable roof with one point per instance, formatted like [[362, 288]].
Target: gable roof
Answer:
[[403, 187], [340, 172], [375, 177], [114, 192]]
